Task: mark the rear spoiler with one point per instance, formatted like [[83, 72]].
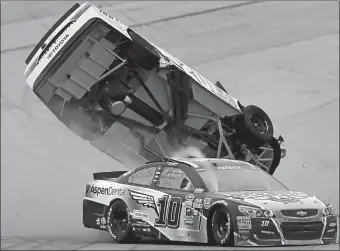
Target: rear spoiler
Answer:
[[108, 175]]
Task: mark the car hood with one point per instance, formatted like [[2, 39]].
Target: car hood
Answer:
[[277, 200]]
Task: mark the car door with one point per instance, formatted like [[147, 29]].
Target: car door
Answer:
[[181, 206], [143, 200]]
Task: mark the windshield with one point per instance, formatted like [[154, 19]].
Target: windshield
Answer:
[[236, 177]]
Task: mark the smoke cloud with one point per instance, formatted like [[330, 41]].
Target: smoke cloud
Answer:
[[188, 151]]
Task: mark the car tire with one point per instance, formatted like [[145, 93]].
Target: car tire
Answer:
[[118, 213], [257, 126], [142, 53], [277, 155], [218, 233]]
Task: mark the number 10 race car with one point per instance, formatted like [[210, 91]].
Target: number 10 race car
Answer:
[[136, 102], [217, 201]]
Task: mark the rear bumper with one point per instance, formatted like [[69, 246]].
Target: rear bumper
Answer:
[[94, 215]]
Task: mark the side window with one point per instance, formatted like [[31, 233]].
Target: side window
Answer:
[[142, 177], [175, 178]]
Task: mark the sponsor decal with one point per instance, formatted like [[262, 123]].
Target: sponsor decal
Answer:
[[243, 222], [244, 226], [190, 197], [242, 218], [140, 223], [189, 211], [138, 214], [87, 188], [101, 221], [207, 201], [147, 229], [333, 224], [198, 190], [189, 200], [188, 203], [244, 234], [228, 167], [56, 45], [119, 24], [107, 191], [301, 220], [198, 200], [144, 200], [197, 205], [137, 229], [189, 220], [243, 231], [287, 197]]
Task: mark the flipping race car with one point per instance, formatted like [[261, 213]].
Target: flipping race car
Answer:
[[136, 102], [217, 201]]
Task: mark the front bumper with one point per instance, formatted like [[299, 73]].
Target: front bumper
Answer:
[[274, 232]]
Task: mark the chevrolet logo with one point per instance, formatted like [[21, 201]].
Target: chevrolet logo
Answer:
[[301, 213]]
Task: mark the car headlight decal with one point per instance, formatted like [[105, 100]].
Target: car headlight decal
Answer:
[[254, 212], [328, 210]]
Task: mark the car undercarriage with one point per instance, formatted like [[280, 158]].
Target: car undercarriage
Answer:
[[122, 94]]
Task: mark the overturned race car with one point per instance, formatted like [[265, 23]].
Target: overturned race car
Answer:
[[217, 201], [136, 102]]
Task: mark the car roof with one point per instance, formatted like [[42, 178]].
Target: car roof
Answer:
[[225, 164]]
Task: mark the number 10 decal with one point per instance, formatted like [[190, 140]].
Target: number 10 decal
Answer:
[[169, 211]]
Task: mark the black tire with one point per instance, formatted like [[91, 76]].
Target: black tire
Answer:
[[142, 53], [219, 233], [257, 125], [277, 155], [118, 222]]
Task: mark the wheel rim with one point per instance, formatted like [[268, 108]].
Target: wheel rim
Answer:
[[222, 225], [258, 123], [119, 220]]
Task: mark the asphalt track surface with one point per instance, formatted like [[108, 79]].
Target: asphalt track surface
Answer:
[[281, 56]]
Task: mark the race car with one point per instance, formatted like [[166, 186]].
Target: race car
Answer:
[[217, 201], [136, 102]]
